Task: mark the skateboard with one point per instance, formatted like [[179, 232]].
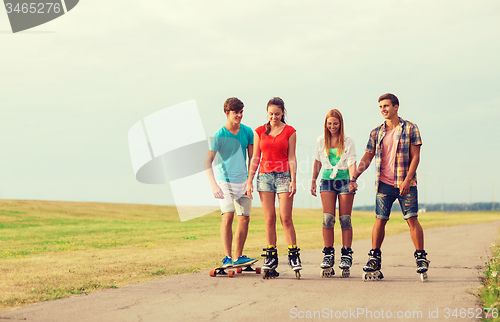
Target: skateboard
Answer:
[[247, 267]]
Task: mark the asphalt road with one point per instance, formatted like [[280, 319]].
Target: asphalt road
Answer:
[[456, 254]]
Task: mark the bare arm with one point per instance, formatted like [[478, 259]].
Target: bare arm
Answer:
[[414, 161], [210, 174], [292, 163], [316, 170], [250, 154], [365, 162], [254, 164]]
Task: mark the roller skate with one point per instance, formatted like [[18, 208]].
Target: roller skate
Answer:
[[327, 264], [372, 268], [422, 264], [346, 261], [270, 263], [294, 260]]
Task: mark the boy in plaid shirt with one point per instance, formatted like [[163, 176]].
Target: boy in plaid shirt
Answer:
[[396, 147]]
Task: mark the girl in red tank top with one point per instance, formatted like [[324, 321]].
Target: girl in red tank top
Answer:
[[275, 142]]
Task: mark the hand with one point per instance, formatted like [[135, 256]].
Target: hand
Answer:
[[313, 189], [353, 186], [404, 188], [292, 189], [217, 191], [249, 189]]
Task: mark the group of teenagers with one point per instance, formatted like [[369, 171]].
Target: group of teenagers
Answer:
[[271, 154]]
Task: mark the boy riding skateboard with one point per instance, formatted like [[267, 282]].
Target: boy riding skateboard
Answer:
[[231, 144]]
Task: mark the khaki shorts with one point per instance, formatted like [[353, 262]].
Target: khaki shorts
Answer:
[[235, 199]]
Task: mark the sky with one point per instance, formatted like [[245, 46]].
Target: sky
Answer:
[[71, 89]]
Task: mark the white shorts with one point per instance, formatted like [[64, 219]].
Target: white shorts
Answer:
[[235, 199]]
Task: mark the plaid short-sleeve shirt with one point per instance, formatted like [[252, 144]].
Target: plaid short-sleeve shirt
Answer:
[[407, 135]]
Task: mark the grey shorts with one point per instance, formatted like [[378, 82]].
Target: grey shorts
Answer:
[[235, 199]]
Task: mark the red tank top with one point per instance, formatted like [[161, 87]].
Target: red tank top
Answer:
[[274, 149]]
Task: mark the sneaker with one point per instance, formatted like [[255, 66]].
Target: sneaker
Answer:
[[244, 260], [227, 262]]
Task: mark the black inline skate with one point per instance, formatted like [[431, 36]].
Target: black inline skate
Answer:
[[346, 261], [327, 264], [372, 268]]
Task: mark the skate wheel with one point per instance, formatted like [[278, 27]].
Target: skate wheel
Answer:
[[231, 273], [423, 277], [297, 274], [346, 273], [366, 277], [257, 270], [213, 273], [239, 270]]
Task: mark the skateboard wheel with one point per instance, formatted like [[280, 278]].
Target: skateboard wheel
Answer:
[[213, 273], [239, 270], [257, 270], [231, 273]]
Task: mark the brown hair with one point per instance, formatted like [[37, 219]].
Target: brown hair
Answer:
[[340, 150], [281, 104], [389, 96], [233, 104]]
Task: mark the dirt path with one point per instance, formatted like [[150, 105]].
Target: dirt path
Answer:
[[456, 254]]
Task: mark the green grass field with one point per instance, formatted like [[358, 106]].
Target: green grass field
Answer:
[[50, 250]]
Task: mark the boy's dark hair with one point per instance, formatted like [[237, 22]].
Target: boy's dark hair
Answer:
[[389, 96], [233, 104]]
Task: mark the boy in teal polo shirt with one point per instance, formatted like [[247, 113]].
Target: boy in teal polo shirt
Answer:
[[232, 144]]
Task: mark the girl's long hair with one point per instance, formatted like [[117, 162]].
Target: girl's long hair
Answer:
[[281, 104], [340, 144]]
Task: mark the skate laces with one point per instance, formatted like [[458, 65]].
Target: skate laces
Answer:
[[420, 254], [293, 255], [346, 251]]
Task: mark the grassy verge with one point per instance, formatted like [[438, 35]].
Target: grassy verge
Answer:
[[50, 250], [489, 292]]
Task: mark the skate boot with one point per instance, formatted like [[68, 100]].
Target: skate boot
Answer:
[[372, 268], [270, 262], [346, 261], [422, 264], [327, 264], [294, 260]]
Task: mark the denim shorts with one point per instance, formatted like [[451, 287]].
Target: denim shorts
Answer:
[[386, 196], [277, 182], [340, 187]]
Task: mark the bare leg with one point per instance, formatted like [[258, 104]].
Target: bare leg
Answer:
[[267, 200], [378, 233], [345, 208], [241, 235], [416, 232], [328, 200], [226, 232], [286, 205]]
